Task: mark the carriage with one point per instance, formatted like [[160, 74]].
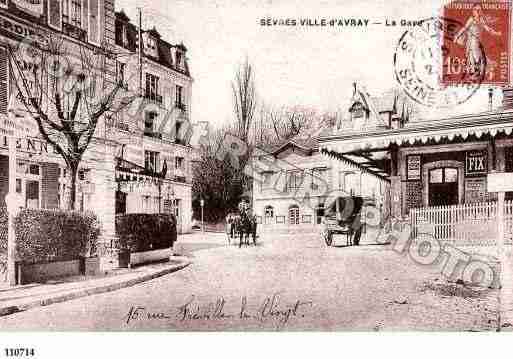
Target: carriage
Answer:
[[241, 225], [343, 217]]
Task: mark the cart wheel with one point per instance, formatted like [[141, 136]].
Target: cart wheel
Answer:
[[328, 238]]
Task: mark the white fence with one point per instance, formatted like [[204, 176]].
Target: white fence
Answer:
[[475, 222]]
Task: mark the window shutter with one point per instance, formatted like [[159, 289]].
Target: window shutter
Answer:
[[94, 17], [85, 14], [4, 81], [54, 14]]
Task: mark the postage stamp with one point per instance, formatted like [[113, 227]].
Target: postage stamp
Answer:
[[419, 69], [482, 44]]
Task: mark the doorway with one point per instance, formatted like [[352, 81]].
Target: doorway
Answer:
[[443, 186]]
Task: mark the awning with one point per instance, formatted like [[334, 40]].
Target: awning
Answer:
[[369, 149]]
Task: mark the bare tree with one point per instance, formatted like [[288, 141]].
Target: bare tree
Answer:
[[244, 99], [65, 88]]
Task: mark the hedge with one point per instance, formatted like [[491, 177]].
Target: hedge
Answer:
[[141, 232], [55, 235]]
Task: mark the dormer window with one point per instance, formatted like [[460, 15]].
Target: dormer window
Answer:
[[357, 111], [179, 56], [152, 43]]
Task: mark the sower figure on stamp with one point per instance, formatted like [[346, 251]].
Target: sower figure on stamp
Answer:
[[470, 37]]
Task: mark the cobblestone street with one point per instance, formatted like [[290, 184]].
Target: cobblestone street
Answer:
[[286, 282]]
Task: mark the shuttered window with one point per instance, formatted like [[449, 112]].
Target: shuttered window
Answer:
[[54, 14], [94, 16], [4, 81]]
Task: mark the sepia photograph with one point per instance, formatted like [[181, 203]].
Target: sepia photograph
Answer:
[[255, 166]]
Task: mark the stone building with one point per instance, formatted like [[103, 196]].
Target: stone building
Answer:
[[128, 167], [297, 179], [160, 124]]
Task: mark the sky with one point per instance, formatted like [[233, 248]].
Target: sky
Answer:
[[309, 66]]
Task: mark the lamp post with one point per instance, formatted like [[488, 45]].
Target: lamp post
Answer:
[[202, 204]]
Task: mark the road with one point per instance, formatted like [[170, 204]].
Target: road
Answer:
[[287, 282]]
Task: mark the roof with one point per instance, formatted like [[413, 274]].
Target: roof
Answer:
[[164, 48]]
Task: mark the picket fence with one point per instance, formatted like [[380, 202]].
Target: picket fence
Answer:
[[474, 222]]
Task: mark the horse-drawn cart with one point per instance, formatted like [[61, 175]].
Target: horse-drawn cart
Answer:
[[242, 225], [343, 217]]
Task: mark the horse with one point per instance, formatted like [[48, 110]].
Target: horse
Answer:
[[246, 225]]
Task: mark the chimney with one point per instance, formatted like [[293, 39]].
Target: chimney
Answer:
[[507, 98], [490, 99]]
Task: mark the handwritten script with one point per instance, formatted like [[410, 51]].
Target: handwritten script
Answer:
[[271, 307]]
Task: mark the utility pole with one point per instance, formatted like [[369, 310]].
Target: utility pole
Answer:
[[140, 46], [12, 207], [202, 204]]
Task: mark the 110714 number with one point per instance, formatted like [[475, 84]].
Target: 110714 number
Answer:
[[19, 352]]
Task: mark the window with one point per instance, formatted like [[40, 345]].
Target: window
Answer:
[[267, 179], [318, 177], [179, 98], [152, 88], [121, 70], [76, 13], [176, 208], [152, 43], [294, 180], [179, 59], [294, 214], [319, 213], [72, 12], [151, 161], [443, 175], [149, 121], [179, 162]]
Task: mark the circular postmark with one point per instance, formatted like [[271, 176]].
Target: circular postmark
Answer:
[[422, 69]]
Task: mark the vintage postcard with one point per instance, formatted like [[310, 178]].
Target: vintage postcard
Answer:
[[255, 166]]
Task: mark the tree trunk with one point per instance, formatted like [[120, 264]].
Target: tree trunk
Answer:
[[73, 168]]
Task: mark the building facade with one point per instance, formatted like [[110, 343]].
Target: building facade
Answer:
[[122, 170], [297, 181], [153, 133], [438, 169]]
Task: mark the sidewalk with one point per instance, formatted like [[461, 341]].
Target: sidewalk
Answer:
[[21, 298]]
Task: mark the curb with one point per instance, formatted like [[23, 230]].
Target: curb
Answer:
[[4, 311]]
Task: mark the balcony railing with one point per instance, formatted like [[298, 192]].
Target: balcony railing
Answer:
[[153, 134], [74, 31]]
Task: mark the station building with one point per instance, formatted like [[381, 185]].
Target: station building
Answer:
[[437, 169]]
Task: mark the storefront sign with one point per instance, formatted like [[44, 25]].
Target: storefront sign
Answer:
[[475, 190], [413, 195], [476, 162], [500, 182], [16, 28], [413, 167], [24, 144]]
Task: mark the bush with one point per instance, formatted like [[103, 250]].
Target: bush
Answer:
[[141, 232], [55, 235]]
